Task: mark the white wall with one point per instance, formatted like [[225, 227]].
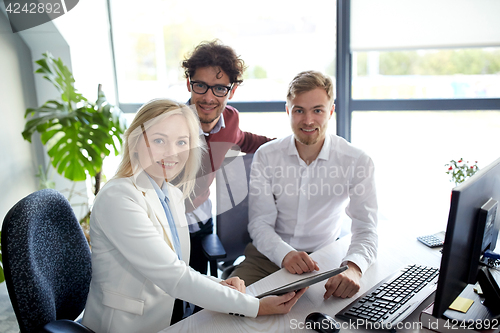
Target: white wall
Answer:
[[17, 92]]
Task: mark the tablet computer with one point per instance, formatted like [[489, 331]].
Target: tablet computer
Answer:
[[302, 283]]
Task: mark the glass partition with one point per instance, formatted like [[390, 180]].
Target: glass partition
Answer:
[[276, 40]]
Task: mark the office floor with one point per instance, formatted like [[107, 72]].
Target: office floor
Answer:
[[8, 322]]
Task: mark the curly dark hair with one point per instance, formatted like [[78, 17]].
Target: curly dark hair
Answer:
[[215, 54]]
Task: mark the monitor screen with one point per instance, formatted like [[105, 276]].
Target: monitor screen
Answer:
[[463, 244]]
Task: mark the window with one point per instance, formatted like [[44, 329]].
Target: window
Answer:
[[410, 150], [276, 40], [426, 49], [409, 56], [427, 74]]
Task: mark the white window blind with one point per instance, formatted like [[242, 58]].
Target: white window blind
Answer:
[[424, 24]]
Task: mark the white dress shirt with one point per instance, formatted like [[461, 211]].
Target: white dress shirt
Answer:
[[295, 206]]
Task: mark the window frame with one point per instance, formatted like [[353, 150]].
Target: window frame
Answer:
[[344, 103]]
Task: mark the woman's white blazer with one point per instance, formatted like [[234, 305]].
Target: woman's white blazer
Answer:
[[136, 274]]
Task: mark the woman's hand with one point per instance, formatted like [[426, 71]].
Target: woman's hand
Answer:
[[279, 304], [235, 283]]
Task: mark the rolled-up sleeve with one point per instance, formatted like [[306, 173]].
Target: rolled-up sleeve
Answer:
[[362, 209]]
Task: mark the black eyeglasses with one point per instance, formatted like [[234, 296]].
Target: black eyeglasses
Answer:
[[218, 90]]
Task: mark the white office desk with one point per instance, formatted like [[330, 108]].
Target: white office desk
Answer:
[[397, 248]]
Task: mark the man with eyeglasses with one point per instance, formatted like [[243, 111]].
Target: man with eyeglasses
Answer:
[[213, 72]]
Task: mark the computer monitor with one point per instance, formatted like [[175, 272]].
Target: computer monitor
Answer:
[[465, 233]]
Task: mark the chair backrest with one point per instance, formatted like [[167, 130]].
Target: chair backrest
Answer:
[[46, 260], [232, 205]]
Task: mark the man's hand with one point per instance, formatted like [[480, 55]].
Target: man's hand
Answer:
[[235, 283], [345, 284], [299, 262], [279, 304]]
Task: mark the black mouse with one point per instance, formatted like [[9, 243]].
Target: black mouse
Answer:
[[322, 323]]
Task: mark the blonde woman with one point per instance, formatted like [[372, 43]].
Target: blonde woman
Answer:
[[140, 238]]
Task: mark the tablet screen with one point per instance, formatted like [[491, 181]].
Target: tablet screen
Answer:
[[302, 283]]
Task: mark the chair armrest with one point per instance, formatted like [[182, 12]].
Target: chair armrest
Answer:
[[212, 247], [65, 326]]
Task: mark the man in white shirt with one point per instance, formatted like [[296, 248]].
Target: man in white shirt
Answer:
[[302, 187]]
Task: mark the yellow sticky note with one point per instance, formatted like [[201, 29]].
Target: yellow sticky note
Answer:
[[461, 304]]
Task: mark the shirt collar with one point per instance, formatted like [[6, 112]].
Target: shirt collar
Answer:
[[324, 154], [218, 126], [163, 192]]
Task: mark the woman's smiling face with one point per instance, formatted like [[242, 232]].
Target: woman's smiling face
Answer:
[[167, 148]]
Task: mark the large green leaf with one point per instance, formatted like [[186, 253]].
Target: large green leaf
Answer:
[[77, 138], [60, 76]]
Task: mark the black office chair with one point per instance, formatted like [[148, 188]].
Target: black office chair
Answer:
[[46, 262], [231, 237]]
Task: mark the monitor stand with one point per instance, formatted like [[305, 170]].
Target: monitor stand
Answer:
[[478, 312], [488, 280]]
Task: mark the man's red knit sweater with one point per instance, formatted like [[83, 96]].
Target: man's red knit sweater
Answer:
[[218, 145]]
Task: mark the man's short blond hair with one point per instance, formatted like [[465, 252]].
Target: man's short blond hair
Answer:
[[307, 81]]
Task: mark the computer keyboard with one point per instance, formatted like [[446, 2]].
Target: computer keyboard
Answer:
[[393, 299]]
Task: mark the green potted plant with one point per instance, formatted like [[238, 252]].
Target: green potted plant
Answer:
[[78, 134]]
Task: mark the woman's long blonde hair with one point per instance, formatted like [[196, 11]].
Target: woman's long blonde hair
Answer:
[[148, 115]]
